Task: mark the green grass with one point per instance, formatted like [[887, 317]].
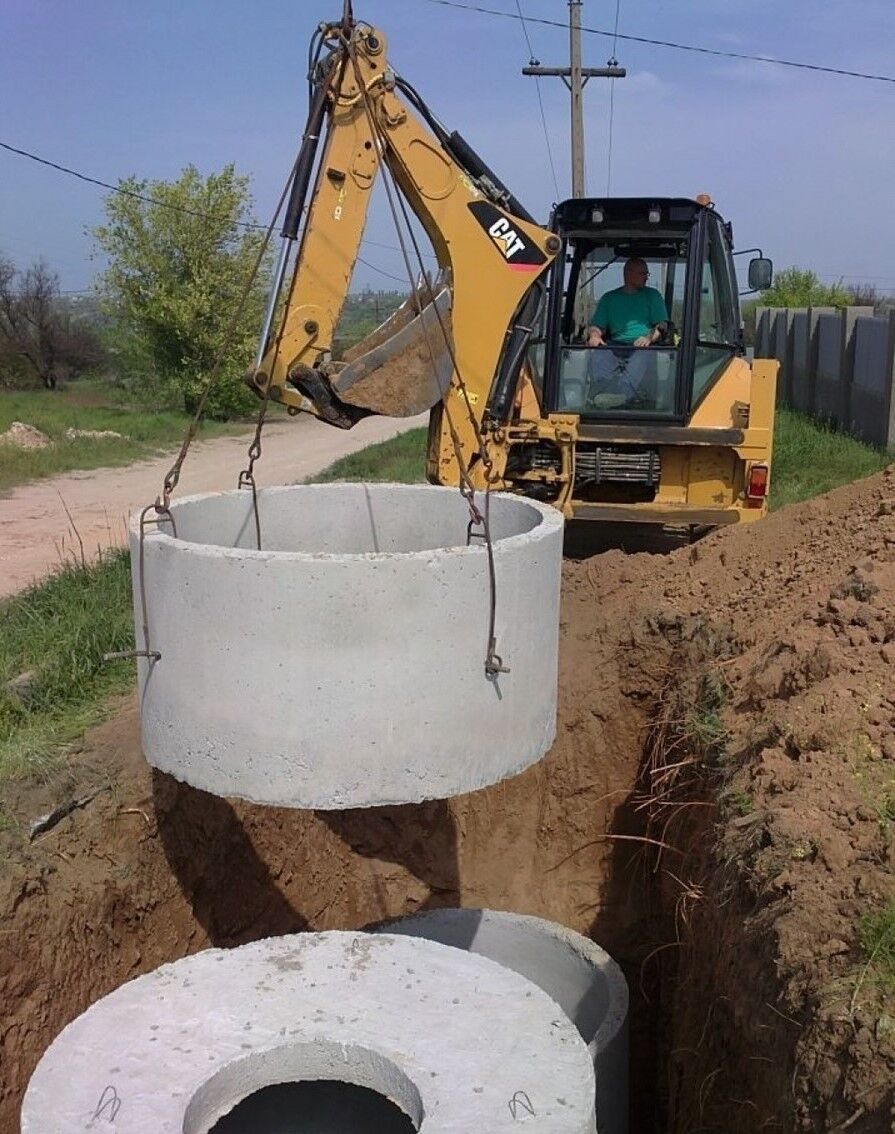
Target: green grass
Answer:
[[810, 459], [878, 943], [87, 405], [402, 459], [59, 631]]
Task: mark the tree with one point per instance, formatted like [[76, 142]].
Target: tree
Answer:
[[799, 287], [38, 340], [178, 262]]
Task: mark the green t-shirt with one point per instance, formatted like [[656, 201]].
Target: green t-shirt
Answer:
[[624, 316]]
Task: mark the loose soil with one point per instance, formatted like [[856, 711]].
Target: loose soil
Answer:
[[716, 811]]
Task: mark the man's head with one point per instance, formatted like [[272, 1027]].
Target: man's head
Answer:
[[636, 272]]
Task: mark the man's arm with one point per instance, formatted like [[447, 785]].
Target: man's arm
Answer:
[[599, 324]]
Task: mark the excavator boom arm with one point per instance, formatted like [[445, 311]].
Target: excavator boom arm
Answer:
[[460, 340]]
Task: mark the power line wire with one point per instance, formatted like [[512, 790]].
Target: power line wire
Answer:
[[533, 62], [118, 188], [166, 204], [671, 44], [613, 62], [381, 271]]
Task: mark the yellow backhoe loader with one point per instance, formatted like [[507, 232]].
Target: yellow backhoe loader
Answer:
[[496, 344]]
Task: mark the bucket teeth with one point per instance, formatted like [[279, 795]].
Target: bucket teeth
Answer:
[[315, 386]]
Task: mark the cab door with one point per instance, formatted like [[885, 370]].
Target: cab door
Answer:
[[718, 333]]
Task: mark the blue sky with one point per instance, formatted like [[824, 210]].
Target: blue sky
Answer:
[[801, 162]]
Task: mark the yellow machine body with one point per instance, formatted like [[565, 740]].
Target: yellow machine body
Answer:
[[460, 347]]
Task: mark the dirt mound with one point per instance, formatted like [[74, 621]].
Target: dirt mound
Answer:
[[25, 436], [732, 702]]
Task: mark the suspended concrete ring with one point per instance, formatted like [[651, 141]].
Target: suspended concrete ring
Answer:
[[343, 664], [405, 1034]]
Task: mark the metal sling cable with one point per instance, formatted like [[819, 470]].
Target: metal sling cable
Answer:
[[173, 476], [389, 190], [246, 477], [161, 507], [467, 488], [493, 661], [534, 62]]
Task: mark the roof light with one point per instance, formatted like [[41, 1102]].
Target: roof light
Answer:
[[654, 215], [596, 216]]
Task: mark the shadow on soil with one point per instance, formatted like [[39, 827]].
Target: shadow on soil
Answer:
[[420, 837], [232, 893], [584, 539]]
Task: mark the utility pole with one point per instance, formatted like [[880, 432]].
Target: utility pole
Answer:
[[575, 77]]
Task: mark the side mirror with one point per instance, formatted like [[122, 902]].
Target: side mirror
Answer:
[[761, 274]]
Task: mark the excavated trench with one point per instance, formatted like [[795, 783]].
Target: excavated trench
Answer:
[[156, 869], [710, 895]]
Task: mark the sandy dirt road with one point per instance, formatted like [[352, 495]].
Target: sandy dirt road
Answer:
[[35, 529]]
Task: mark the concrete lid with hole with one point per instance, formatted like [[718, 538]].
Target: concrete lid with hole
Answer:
[[343, 665], [459, 1043]]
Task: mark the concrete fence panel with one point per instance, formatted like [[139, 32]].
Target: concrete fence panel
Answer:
[[797, 354], [809, 390], [871, 387], [779, 335], [762, 332], [779, 349], [850, 317], [828, 386], [837, 366]]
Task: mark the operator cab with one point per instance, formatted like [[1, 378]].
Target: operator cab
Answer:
[[687, 248]]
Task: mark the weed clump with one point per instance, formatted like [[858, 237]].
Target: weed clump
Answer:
[[878, 943], [53, 680]]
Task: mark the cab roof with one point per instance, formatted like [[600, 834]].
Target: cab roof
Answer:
[[594, 213]]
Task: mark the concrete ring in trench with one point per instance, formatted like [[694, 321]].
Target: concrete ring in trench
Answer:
[[410, 1034], [580, 976], [343, 665]]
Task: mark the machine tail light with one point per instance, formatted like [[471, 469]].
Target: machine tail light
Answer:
[[757, 484]]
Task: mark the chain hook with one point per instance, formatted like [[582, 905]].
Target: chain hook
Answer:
[[162, 515]]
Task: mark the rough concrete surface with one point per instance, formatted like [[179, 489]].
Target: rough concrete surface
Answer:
[[580, 976], [456, 1041], [343, 665]]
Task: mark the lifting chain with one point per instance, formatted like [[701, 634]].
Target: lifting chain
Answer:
[[478, 518], [247, 475], [160, 511], [162, 515]]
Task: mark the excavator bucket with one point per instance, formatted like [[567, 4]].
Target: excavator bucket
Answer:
[[405, 366]]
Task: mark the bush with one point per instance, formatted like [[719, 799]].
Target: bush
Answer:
[[180, 255], [799, 287]]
